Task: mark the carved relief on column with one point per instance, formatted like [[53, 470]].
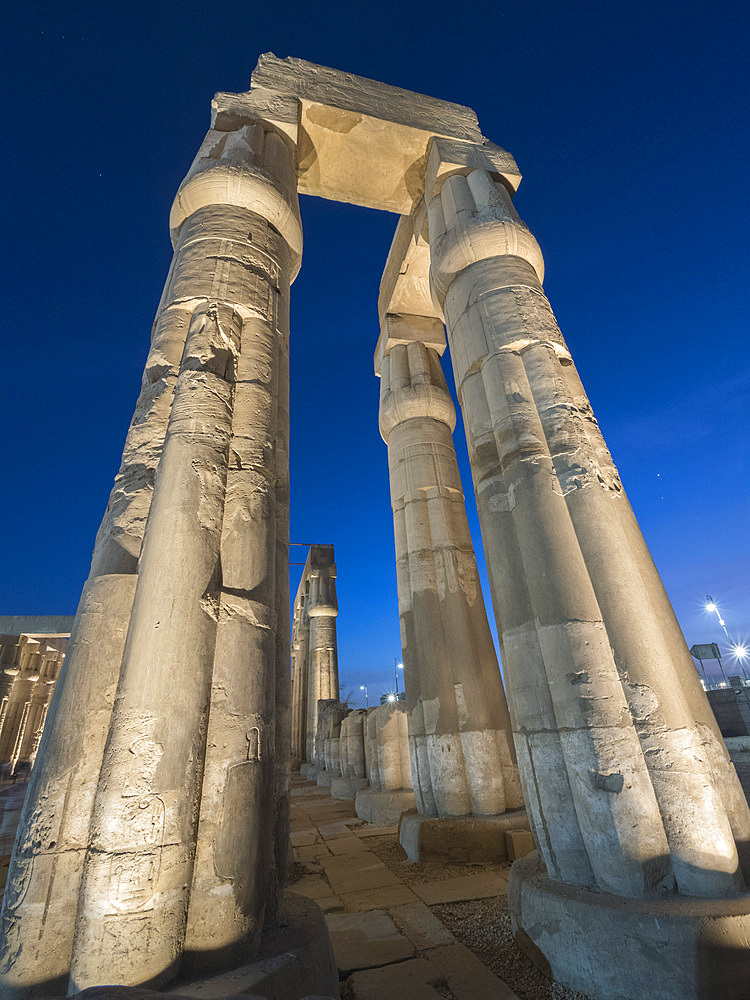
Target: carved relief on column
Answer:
[[629, 786]]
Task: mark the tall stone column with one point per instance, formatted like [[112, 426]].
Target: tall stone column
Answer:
[[323, 669], [462, 756], [627, 781], [300, 658], [204, 590]]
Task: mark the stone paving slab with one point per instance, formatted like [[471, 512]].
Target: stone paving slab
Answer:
[[346, 845], [385, 897], [304, 838], [375, 831], [334, 831], [421, 926], [357, 872], [312, 886], [467, 977], [454, 890], [415, 980], [366, 940]]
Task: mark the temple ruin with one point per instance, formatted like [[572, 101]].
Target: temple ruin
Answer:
[[153, 846]]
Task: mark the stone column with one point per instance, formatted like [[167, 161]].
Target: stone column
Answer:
[[323, 670], [333, 718], [237, 249], [45, 875], [352, 751], [388, 766], [463, 762], [629, 787], [300, 655], [206, 595]]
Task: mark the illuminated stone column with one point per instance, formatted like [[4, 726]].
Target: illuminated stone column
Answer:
[[628, 785], [390, 792], [462, 756], [352, 752], [323, 667], [300, 672], [208, 583]]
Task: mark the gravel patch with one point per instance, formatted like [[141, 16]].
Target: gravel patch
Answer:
[[483, 925], [393, 856]]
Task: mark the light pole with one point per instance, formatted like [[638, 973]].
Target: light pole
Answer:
[[738, 649], [363, 687], [396, 667]]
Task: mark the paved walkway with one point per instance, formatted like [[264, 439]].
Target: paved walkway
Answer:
[[388, 943]]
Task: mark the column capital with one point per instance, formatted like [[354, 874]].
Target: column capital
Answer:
[[473, 219], [248, 162], [450, 157], [413, 385]]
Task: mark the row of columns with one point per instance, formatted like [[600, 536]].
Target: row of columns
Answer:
[[29, 668]]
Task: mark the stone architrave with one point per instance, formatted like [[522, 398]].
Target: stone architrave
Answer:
[[629, 787], [462, 757]]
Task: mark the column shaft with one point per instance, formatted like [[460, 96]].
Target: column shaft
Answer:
[[603, 729]]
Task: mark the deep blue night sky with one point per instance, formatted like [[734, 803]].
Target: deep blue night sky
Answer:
[[629, 123]]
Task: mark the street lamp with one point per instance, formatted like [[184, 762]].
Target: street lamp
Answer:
[[363, 687], [396, 667], [738, 649]]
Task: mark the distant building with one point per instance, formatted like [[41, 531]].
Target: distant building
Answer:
[[32, 651], [731, 706]]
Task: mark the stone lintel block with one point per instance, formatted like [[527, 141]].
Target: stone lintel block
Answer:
[[362, 141], [409, 329], [383, 808], [405, 285], [281, 110], [480, 839], [678, 947], [451, 156]]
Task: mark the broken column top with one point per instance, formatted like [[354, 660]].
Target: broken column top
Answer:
[[358, 140]]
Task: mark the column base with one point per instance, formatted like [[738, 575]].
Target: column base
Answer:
[[295, 764], [347, 788], [295, 961], [614, 948], [309, 771], [325, 778], [383, 808], [480, 839]]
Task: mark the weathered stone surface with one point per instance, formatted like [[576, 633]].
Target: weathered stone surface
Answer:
[[366, 940], [467, 838], [481, 885], [421, 926], [576, 935]]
